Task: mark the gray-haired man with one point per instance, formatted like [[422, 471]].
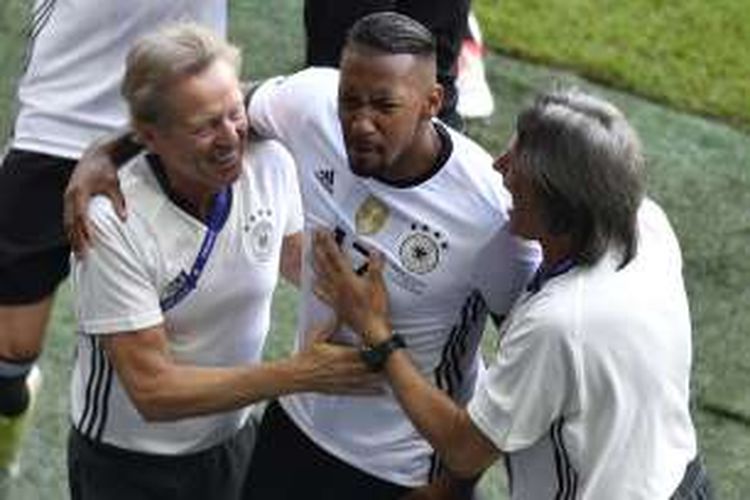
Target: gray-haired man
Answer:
[[173, 304]]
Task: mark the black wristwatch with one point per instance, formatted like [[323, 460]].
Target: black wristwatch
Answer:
[[375, 356]]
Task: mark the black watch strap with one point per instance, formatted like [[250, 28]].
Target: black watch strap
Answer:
[[375, 356]]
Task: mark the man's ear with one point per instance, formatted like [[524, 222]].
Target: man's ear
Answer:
[[147, 134], [434, 101]]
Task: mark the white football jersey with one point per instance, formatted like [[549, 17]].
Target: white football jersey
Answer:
[[589, 394], [449, 258], [136, 265], [69, 93]]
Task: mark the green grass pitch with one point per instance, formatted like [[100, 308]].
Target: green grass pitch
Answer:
[[699, 171]]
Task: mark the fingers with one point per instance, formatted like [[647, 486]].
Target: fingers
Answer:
[[330, 265], [353, 377], [336, 369], [375, 267], [329, 259], [118, 202], [377, 287], [89, 178], [81, 236], [336, 359], [109, 185], [324, 293], [320, 263], [68, 210], [76, 221]]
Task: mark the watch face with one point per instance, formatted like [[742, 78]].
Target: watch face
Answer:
[[373, 358]]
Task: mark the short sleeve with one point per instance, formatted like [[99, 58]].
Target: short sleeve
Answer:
[[279, 108], [503, 268], [295, 217], [527, 387], [114, 291]]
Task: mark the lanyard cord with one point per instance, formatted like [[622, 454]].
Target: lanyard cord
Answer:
[[186, 282], [543, 274]]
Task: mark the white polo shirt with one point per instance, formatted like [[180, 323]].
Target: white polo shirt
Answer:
[[589, 393], [449, 259], [69, 93], [223, 322]]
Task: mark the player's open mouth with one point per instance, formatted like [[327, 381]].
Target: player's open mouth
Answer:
[[226, 160]]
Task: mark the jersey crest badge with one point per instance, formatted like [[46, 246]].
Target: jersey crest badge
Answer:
[[371, 216], [260, 228], [420, 251]]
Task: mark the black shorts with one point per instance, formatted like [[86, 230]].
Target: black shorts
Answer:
[[34, 253], [287, 465], [695, 484], [99, 471]]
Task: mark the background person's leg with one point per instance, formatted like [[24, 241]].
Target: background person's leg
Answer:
[[327, 23], [17, 403], [447, 21], [22, 328], [33, 261], [474, 95]]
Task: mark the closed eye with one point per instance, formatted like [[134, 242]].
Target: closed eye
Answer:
[[386, 105]]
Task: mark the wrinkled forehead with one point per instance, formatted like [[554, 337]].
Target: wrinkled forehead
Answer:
[[382, 76], [207, 92]]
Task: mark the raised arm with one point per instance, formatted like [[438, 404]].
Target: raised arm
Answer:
[[362, 302]]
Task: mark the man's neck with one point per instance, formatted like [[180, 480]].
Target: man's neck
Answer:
[[421, 158], [197, 204], [184, 193], [555, 249]]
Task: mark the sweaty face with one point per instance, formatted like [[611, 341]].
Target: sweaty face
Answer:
[[525, 215], [202, 141], [382, 100]]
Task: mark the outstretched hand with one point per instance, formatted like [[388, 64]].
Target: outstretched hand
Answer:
[[94, 174], [335, 369], [359, 301]]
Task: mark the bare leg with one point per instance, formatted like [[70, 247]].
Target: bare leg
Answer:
[[22, 329]]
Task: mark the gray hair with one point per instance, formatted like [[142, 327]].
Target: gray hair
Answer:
[[585, 162], [159, 59], [392, 33]]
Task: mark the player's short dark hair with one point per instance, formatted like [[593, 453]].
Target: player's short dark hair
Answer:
[[585, 162], [392, 33]]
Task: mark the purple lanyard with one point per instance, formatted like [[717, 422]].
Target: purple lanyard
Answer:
[[543, 274], [186, 282]]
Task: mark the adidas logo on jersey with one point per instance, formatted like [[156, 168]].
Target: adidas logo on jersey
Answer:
[[325, 177]]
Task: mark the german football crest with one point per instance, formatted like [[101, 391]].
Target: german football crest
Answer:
[[421, 249], [371, 216], [260, 228]]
